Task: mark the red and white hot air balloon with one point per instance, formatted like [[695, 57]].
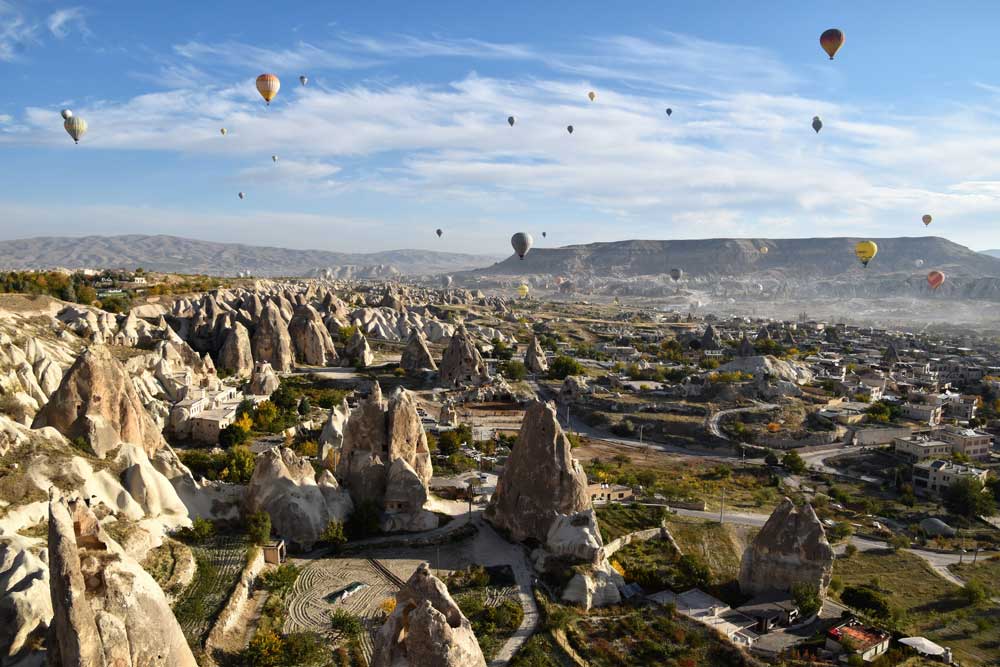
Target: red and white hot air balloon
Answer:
[[935, 279]]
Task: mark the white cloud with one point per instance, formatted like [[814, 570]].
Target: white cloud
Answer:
[[64, 21], [16, 32]]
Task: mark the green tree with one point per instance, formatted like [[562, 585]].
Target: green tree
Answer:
[[793, 463], [284, 398], [232, 435], [513, 370], [304, 406], [867, 600], [265, 416], [965, 497], [807, 598], [240, 464], [334, 535], [771, 458], [563, 366], [259, 528], [501, 350], [974, 592]]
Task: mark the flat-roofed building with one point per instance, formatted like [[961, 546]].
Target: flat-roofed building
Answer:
[[968, 441], [930, 478], [920, 447]]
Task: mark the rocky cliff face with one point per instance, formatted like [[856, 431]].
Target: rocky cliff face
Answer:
[[271, 342], [534, 358], [378, 434], [97, 401], [236, 354], [358, 352], [790, 548], [416, 357], [427, 629], [263, 380], [462, 363], [285, 486], [541, 480], [310, 339], [106, 609]]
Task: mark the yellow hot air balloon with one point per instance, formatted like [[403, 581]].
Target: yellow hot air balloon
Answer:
[[763, 250], [223, 131], [76, 127], [865, 250], [592, 95], [523, 291], [268, 86]]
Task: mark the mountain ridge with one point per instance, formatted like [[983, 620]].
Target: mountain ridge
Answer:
[[175, 254]]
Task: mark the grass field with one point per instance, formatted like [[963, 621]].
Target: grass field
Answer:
[[928, 604], [220, 561], [719, 546], [986, 571], [616, 520]]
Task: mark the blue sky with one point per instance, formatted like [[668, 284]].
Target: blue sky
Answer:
[[402, 128]]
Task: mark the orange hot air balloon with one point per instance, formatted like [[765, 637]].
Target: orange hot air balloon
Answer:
[[267, 86], [831, 40], [934, 279]]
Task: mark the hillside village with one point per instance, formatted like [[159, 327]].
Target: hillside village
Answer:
[[298, 467]]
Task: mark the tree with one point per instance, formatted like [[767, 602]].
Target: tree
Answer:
[[233, 434], [86, 294], [448, 443], [771, 459], [304, 406], [259, 528], [501, 350], [807, 598], [793, 463], [513, 370], [867, 600], [265, 416], [346, 623], [284, 398], [621, 459], [240, 464], [897, 542], [563, 366], [334, 535], [965, 497], [974, 592], [364, 520]]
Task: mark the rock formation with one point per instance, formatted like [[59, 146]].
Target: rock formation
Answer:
[[789, 549], [97, 401], [357, 352], [263, 381], [540, 481], [271, 342], [462, 362], [416, 357], [331, 438], [378, 434], [310, 339], [427, 629], [236, 355], [285, 486], [106, 609], [534, 358]]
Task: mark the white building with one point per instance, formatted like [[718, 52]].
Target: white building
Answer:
[[933, 477]]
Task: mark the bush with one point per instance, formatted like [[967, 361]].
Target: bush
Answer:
[[200, 530], [233, 435], [259, 528], [281, 579], [867, 600], [346, 623], [334, 535], [974, 592], [513, 370], [240, 464], [563, 366], [850, 550], [807, 598], [965, 498], [624, 428], [793, 463]]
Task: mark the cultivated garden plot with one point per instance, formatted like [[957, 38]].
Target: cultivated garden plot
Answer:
[[220, 561]]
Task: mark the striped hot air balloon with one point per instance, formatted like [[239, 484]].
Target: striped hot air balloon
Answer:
[[268, 86], [76, 127]]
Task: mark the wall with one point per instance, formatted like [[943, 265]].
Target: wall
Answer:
[[233, 610]]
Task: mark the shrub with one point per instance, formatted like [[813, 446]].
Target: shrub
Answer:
[[259, 528], [281, 579], [867, 600], [793, 463], [200, 530], [334, 535], [563, 366], [807, 598], [240, 464], [850, 550], [974, 592], [513, 370], [387, 606], [346, 623]]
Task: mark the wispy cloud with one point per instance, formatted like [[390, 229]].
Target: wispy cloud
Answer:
[[16, 32], [64, 21]]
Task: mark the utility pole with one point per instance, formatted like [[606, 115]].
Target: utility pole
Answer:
[[722, 510]]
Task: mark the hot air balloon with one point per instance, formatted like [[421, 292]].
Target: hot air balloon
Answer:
[[274, 158], [934, 279], [223, 131], [865, 250], [831, 40], [676, 274], [66, 114], [268, 86], [918, 263], [523, 291], [763, 250], [569, 128], [510, 121], [817, 124], [76, 127], [544, 235], [521, 242], [439, 233], [592, 95], [927, 219], [670, 111], [303, 79], [242, 195]]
